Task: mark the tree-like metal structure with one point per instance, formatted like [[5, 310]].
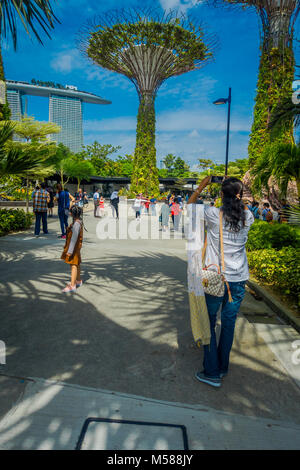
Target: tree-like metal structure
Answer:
[[148, 48], [276, 71]]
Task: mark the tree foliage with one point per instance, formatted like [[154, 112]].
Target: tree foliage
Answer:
[[13, 161], [148, 49], [29, 13], [282, 161]]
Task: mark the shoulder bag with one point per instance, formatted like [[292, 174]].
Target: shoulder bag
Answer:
[[214, 282]]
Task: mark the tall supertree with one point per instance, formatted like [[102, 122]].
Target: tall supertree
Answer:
[[276, 69], [148, 48]]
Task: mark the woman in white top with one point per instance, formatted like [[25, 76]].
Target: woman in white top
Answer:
[[237, 220]]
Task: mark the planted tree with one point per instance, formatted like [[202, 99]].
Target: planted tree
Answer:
[[282, 161], [37, 146], [78, 169], [148, 49]]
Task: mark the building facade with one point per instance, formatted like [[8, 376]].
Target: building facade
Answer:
[[65, 108], [67, 113]]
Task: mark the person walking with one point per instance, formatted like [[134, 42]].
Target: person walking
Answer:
[[71, 252], [255, 210], [79, 198], [100, 210], [51, 201], [147, 205], [63, 198], [171, 202], [267, 213], [137, 206], [176, 212], [41, 198], [165, 215], [114, 201], [153, 205], [96, 198], [236, 221]]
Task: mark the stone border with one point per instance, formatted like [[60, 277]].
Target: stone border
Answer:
[[282, 310]]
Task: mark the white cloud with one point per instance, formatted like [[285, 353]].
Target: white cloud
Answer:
[[194, 133], [181, 5], [193, 121], [66, 61]]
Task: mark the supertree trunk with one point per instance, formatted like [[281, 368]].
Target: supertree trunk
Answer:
[[276, 74], [145, 174]]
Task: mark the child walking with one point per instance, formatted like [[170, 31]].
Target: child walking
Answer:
[[71, 252]]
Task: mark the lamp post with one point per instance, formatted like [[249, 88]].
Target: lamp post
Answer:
[[224, 101]]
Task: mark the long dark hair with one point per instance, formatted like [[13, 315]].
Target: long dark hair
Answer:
[[233, 207], [76, 212]]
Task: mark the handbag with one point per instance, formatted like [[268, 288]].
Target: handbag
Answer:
[[214, 282]]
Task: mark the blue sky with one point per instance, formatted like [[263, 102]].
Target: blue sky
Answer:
[[188, 124]]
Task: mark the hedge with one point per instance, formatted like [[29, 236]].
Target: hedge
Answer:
[[280, 268], [263, 235], [12, 220]]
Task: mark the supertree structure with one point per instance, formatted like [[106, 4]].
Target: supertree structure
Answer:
[[276, 69], [148, 48]]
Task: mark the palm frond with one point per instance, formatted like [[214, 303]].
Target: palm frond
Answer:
[[30, 13], [292, 215], [285, 112], [13, 161]]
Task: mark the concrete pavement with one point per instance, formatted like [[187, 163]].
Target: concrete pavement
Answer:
[[127, 330]]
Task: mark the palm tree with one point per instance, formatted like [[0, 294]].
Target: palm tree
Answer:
[[286, 111], [282, 161], [32, 14], [13, 161]]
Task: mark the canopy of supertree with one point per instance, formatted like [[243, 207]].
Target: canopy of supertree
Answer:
[[148, 48]]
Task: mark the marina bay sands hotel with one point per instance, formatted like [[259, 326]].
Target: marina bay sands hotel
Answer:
[[65, 107]]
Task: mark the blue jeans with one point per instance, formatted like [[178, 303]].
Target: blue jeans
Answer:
[[63, 219], [216, 357], [38, 217], [153, 209]]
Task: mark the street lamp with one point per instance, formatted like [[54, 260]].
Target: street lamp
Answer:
[[224, 101]]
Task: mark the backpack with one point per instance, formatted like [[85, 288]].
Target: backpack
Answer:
[[269, 216], [255, 212]]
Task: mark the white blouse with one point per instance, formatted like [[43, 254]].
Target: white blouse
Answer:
[[236, 264]]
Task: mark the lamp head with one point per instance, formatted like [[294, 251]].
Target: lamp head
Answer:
[[221, 101]]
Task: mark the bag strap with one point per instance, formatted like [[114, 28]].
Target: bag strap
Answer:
[[222, 255], [221, 241]]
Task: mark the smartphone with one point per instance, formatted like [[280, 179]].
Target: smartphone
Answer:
[[217, 179]]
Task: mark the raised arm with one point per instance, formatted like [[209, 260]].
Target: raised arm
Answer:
[[202, 185]]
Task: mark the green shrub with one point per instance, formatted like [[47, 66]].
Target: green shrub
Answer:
[[280, 268], [12, 220], [264, 235]]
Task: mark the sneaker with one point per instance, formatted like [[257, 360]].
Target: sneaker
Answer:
[[61, 236], [208, 380], [69, 288], [78, 283]]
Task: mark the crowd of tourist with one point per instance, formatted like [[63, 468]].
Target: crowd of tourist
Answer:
[[44, 199]]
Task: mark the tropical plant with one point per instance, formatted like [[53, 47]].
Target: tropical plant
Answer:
[[12, 160], [148, 49], [31, 14], [175, 167], [36, 146], [282, 161], [80, 169], [98, 155]]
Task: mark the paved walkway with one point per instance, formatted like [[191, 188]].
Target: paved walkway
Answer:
[[127, 330]]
